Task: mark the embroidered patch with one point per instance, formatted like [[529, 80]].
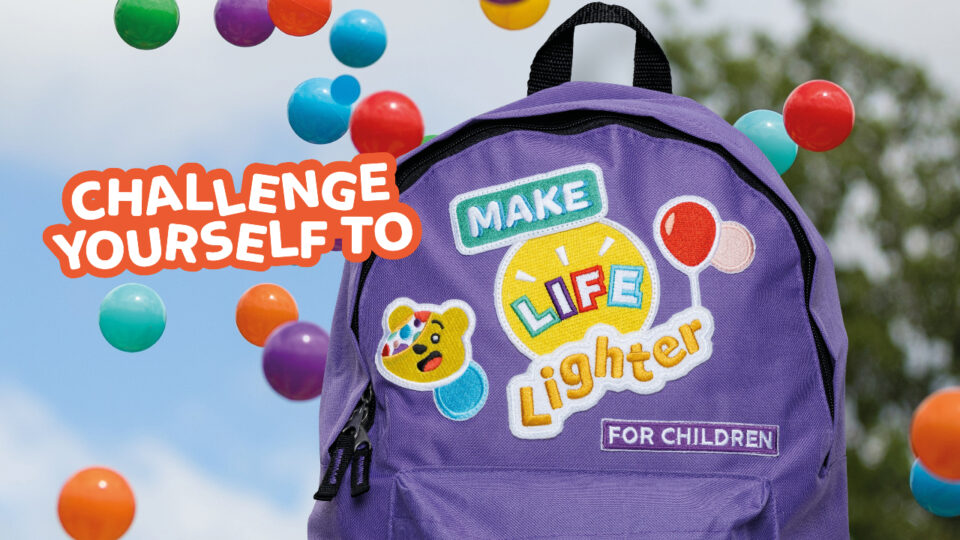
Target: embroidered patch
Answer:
[[428, 347], [464, 397], [550, 290], [680, 436], [499, 215], [579, 303], [687, 231], [425, 345], [736, 249], [575, 376]]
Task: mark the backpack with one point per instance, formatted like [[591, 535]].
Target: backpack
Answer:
[[619, 323]]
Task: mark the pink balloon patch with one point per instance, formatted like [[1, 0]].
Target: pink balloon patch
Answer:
[[736, 248]]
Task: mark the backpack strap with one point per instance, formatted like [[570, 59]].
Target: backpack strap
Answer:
[[553, 63]]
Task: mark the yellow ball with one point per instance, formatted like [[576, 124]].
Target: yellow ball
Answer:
[[515, 16]]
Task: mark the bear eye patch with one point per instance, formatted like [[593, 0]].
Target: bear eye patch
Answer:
[[435, 338]]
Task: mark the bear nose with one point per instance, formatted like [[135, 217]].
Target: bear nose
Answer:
[[419, 349]]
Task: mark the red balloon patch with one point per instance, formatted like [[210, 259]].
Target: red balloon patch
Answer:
[[689, 230]]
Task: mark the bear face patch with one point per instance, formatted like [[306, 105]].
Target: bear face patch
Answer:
[[427, 347]]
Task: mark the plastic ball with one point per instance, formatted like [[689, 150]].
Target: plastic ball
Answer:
[[935, 433], [514, 15], [937, 496], [294, 359], [261, 309], [132, 317], [765, 129], [428, 138], [299, 17], [819, 115], [96, 504], [146, 24], [313, 114], [244, 23], [358, 38], [345, 89], [386, 122]]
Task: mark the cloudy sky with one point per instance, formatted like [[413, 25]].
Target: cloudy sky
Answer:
[[209, 449]]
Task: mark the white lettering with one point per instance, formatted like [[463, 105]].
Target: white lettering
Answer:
[[480, 221]]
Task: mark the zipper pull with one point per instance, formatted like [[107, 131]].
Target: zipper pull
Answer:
[[341, 452], [362, 448], [360, 467], [343, 448]]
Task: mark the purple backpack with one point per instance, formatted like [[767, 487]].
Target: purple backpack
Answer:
[[619, 323]]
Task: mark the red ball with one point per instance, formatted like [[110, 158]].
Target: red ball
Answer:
[[299, 17], [818, 115], [386, 122]]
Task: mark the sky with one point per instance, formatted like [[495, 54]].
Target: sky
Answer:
[[208, 448]]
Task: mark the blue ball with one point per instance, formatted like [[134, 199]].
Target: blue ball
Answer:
[[358, 38], [132, 317], [940, 497], [314, 116], [765, 129], [345, 89]]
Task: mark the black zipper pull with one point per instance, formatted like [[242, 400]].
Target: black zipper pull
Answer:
[[360, 469], [341, 452], [343, 448], [362, 448]]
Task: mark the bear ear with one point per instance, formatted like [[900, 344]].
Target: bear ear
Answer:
[[456, 319], [398, 316]]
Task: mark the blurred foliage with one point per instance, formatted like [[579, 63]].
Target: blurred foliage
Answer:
[[887, 200]]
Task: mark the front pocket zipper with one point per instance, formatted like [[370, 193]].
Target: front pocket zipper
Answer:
[[582, 120], [351, 449]]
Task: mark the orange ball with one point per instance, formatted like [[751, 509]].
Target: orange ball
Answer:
[[935, 433], [299, 17], [96, 504], [261, 309]]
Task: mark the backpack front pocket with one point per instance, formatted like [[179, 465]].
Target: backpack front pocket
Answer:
[[531, 503]]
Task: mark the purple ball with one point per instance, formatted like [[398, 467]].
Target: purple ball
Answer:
[[244, 23], [294, 358]]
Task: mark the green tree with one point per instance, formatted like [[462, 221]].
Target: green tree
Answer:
[[893, 190]]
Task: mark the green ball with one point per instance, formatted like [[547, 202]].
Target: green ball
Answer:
[[132, 317], [427, 139], [146, 24]]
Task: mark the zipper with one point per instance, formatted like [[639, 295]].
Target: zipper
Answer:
[[579, 121], [351, 449]]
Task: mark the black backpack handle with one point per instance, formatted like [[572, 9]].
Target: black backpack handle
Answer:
[[553, 63]]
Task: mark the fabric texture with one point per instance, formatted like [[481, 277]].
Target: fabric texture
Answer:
[[690, 355]]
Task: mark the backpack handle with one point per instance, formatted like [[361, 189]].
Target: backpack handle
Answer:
[[553, 63]]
